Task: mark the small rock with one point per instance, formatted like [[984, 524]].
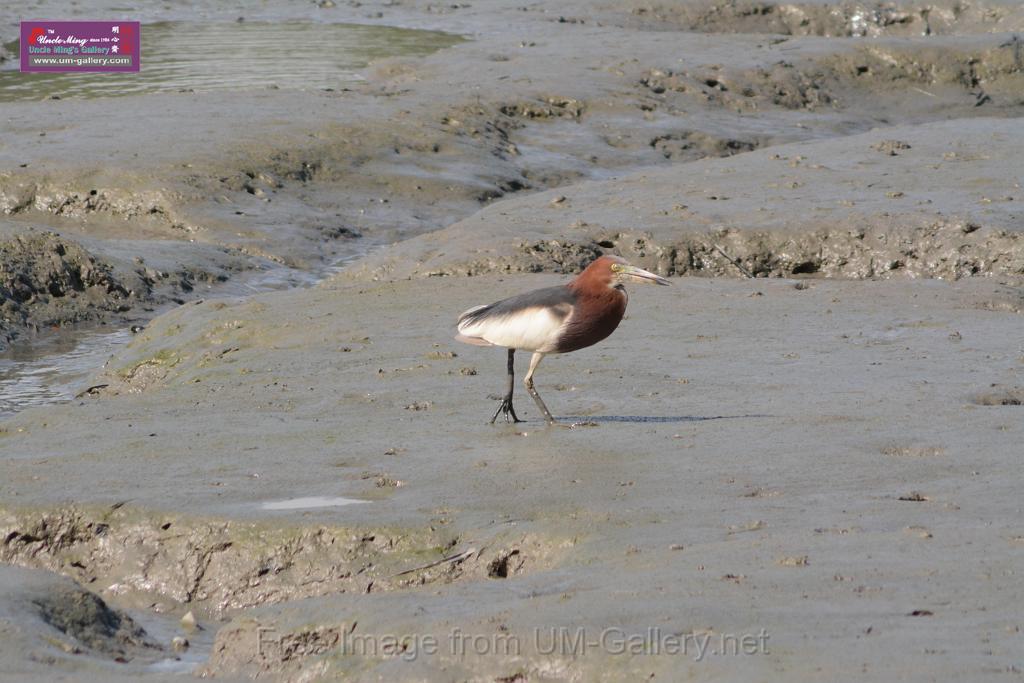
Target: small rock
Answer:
[[188, 622], [179, 643], [890, 147]]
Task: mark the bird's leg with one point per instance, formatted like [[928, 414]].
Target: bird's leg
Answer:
[[506, 402], [528, 381]]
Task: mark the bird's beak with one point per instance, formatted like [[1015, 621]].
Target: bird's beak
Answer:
[[641, 275]]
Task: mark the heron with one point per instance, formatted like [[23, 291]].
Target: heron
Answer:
[[553, 320]]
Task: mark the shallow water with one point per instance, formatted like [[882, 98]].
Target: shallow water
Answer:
[[163, 628], [53, 369], [186, 56], [192, 56], [310, 502]]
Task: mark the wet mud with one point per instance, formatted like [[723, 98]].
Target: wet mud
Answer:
[[218, 567], [389, 157], [541, 520], [284, 470], [828, 19], [738, 219]]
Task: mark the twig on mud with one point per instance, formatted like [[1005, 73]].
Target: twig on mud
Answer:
[[459, 557], [735, 262], [91, 391], [923, 92]]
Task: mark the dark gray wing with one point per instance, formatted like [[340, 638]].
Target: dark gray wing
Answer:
[[559, 299]]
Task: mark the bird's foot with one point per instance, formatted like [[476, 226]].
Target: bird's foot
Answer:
[[506, 408]]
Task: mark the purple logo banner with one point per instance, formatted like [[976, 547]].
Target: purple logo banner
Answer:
[[49, 46]]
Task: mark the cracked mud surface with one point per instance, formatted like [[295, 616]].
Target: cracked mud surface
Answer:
[[217, 567]]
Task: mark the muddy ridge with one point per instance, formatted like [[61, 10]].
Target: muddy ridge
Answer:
[[166, 562], [992, 76], [86, 618], [46, 280], [948, 250], [840, 19], [79, 199], [56, 622]]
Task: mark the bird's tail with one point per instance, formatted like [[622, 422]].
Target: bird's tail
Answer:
[[467, 320], [472, 315]]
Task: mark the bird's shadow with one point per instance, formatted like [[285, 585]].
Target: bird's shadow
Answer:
[[653, 418]]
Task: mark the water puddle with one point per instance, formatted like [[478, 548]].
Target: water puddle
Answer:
[[163, 628], [310, 502], [187, 56], [53, 369]]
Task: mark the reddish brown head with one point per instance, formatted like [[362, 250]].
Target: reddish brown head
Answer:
[[607, 272], [599, 301]]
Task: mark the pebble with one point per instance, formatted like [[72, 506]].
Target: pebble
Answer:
[[188, 622]]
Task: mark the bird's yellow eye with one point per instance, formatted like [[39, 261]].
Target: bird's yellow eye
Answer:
[[616, 267]]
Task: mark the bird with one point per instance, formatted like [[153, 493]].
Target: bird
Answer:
[[553, 320]]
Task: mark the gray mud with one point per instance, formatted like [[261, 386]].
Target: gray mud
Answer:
[[217, 567], [811, 448], [831, 19], [48, 281], [53, 627], [319, 174], [935, 201], [761, 455]]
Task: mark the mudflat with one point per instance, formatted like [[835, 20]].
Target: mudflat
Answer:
[[800, 462]]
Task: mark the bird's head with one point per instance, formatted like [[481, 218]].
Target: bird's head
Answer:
[[615, 270]]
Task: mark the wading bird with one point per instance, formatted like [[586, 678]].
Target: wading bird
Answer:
[[553, 320]]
